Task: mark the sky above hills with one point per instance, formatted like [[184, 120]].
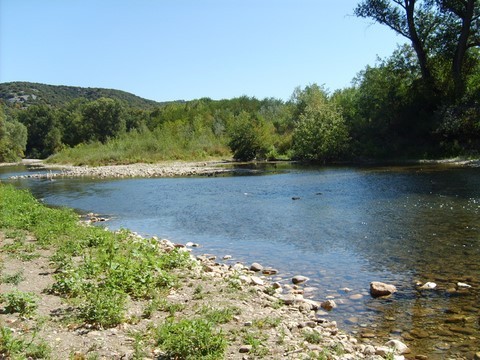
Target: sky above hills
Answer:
[[186, 49]]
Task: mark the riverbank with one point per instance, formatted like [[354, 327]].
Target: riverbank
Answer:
[[181, 169], [71, 286]]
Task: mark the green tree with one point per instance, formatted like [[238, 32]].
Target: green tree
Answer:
[[103, 118], [249, 137], [44, 130], [13, 139], [320, 132], [439, 31]]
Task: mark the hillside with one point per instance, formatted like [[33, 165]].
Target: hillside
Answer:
[[27, 93]]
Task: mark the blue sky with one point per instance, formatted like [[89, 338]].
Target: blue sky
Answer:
[[186, 49]]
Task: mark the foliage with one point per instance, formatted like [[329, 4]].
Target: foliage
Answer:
[[103, 119], [27, 93], [14, 346], [320, 133], [440, 31], [191, 339], [13, 138], [103, 307], [113, 266], [15, 301], [249, 138], [44, 135]]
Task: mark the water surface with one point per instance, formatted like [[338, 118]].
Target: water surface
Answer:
[[347, 227]]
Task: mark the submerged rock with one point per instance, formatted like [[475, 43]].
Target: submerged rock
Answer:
[[428, 286], [299, 279], [378, 289]]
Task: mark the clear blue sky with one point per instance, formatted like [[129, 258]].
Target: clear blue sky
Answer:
[[186, 49]]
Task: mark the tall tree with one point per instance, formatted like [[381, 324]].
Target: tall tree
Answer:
[[445, 29]]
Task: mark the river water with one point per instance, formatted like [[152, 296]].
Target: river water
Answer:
[[342, 227]]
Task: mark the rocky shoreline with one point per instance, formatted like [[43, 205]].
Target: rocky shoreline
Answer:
[[171, 169], [275, 317], [167, 169]]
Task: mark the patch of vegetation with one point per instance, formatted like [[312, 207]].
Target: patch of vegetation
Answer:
[[103, 308], [257, 341], [23, 303], [13, 279], [14, 346], [108, 268], [312, 337], [190, 339], [218, 316]]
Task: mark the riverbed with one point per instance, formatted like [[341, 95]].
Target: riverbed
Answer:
[[343, 227]]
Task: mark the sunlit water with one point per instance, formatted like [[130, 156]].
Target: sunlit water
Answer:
[[350, 226]]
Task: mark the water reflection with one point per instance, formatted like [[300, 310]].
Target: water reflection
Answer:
[[348, 226]]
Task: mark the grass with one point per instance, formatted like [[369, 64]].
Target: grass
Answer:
[[190, 339], [13, 279], [113, 266], [13, 346], [172, 141], [23, 303]]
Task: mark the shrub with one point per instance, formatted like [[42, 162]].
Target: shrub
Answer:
[[191, 339], [24, 303]]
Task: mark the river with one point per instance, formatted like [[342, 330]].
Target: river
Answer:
[[341, 226]]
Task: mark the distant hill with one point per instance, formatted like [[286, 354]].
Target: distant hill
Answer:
[[27, 93]]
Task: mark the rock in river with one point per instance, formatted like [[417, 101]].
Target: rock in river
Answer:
[[378, 289], [299, 279]]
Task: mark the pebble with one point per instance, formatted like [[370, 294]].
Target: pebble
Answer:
[[245, 349], [356, 297], [256, 267], [329, 305], [428, 286], [299, 279]]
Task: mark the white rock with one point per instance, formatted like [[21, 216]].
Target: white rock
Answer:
[[257, 281], [398, 346], [463, 285], [256, 267], [428, 286]]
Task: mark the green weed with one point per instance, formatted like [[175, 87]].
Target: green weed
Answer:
[[312, 337], [103, 308], [13, 279], [19, 347], [190, 339], [24, 303]]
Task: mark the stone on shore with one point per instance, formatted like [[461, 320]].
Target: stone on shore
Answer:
[[398, 346], [378, 289], [256, 267], [329, 305], [299, 279]]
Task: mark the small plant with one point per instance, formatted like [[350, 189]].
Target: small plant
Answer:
[[255, 340], [312, 337], [24, 303], [14, 279], [198, 293], [103, 308], [267, 322], [218, 316], [138, 346], [18, 347], [191, 339]]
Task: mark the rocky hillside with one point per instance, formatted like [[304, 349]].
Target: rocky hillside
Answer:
[[27, 93]]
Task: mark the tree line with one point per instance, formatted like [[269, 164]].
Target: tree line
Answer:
[[422, 101]]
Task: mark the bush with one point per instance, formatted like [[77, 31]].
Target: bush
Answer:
[[24, 303], [191, 339]]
